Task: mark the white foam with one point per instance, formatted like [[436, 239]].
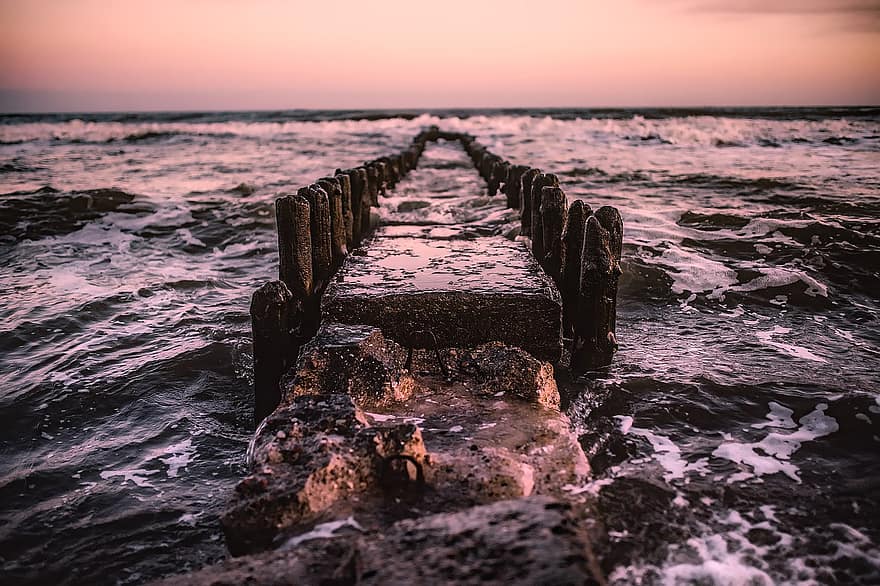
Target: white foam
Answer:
[[380, 417], [779, 416], [695, 273], [766, 338], [722, 555], [781, 277], [187, 237], [593, 488], [136, 476], [178, 456], [322, 531], [772, 454], [668, 455]]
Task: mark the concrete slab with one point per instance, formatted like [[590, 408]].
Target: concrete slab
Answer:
[[463, 292]]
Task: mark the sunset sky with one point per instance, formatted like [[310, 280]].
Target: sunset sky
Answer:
[[75, 55]]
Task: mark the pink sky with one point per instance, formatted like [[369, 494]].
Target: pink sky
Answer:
[[273, 54]]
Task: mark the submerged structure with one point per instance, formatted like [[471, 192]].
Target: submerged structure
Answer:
[[404, 380]]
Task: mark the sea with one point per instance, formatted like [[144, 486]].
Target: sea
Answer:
[[734, 440]]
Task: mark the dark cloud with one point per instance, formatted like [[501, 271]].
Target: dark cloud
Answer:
[[844, 7], [855, 15]]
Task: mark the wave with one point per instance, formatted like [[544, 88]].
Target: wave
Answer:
[[715, 129], [16, 167], [148, 135], [860, 208], [714, 221], [743, 184], [604, 176], [47, 211], [753, 113]]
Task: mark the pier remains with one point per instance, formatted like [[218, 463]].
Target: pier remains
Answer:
[[409, 418]]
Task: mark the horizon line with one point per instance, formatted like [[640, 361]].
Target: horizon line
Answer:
[[445, 108]]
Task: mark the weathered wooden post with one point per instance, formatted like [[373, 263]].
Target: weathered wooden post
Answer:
[[275, 347], [293, 216], [382, 177], [497, 175], [358, 178], [338, 248], [512, 185], [347, 215], [372, 186], [369, 195], [525, 210], [594, 340], [553, 212], [537, 233], [486, 165], [572, 247], [322, 246]]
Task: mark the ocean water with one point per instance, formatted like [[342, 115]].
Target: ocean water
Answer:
[[735, 439]]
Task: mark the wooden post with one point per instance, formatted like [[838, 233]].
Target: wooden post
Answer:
[[525, 191], [553, 213], [368, 196], [572, 247], [610, 219], [486, 166], [497, 175], [372, 187], [358, 185], [347, 215], [275, 347], [393, 170], [594, 340], [382, 175], [293, 216], [338, 247], [322, 247], [512, 185], [537, 233]]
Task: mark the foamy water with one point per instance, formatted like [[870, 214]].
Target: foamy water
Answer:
[[734, 440]]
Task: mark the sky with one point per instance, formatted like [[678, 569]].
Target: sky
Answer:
[[93, 55]]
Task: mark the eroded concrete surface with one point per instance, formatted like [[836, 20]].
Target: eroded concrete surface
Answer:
[[456, 292]]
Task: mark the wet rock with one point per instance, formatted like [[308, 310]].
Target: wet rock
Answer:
[[315, 457], [300, 465], [505, 369], [523, 541], [351, 360]]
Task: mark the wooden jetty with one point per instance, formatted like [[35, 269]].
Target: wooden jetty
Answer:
[[410, 429]]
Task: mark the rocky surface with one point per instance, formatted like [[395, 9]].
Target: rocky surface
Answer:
[[449, 292], [354, 360], [533, 540], [490, 430]]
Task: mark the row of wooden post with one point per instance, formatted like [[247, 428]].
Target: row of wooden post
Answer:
[[317, 228], [578, 248], [322, 222]]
